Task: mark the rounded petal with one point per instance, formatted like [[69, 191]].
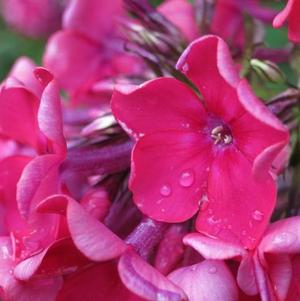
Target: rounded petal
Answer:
[[66, 47], [208, 64], [282, 237], [90, 236], [50, 115], [39, 179], [22, 70], [239, 205], [284, 14], [169, 174], [246, 276], [158, 105], [209, 280], [145, 281], [211, 248]]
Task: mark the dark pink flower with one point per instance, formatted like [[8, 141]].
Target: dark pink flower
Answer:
[[290, 14], [213, 155], [271, 270], [31, 17]]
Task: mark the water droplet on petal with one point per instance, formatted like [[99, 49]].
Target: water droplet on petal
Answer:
[[284, 239], [257, 215], [166, 190], [244, 232], [187, 178], [185, 67], [203, 202], [212, 270]]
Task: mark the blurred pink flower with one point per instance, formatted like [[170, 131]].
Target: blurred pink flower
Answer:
[[182, 14], [231, 13], [33, 18], [290, 14], [89, 48], [214, 156]]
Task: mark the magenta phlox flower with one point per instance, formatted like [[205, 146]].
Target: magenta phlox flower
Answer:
[[214, 156]]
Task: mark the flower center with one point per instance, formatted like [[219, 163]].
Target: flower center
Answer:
[[221, 134]]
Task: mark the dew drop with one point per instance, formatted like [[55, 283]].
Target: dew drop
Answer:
[[212, 270], [165, 190], [185, 67], [187, 178], [257, 215], [244, 232]]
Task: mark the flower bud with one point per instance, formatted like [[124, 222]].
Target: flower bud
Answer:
[[267, 71]]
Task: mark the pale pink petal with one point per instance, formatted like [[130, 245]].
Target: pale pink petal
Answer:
[[90, 236], [209, 280], [50, 115], [246, 276], [282, 237], [211, 248], [38, 180], [145, 281]]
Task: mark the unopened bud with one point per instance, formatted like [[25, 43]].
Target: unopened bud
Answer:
[[268, 71]]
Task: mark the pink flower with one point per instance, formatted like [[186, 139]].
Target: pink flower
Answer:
[[31, 17], [213, 156], [271, 270], [290, 14], [89, 48]]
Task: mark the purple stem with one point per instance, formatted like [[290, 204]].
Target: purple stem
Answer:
[[106, 159], [146, 236]]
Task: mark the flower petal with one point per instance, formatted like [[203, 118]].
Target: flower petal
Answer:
[[90, 236], [211, 248], [145, 281], [169, 174], [66, 47], [208, 64], [90, 17], [239, 206], [209, 280], [282, 237], [159, 105]]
